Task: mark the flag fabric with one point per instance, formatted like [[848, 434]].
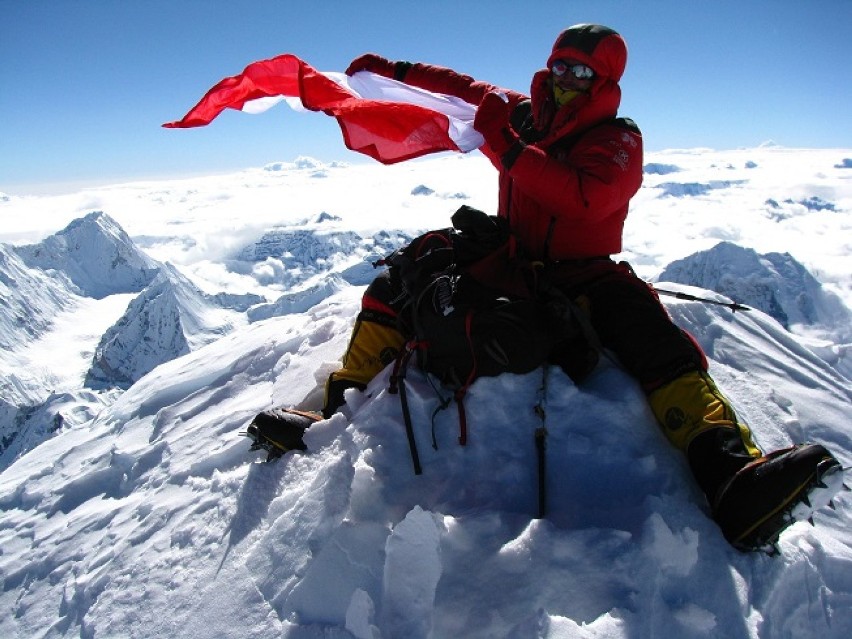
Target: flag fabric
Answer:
[[388, 120]]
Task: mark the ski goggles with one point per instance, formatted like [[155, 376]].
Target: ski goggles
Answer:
[[579, 71]]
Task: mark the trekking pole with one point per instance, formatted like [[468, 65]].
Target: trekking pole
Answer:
[[397, 385], [734, 306], [541, 445]]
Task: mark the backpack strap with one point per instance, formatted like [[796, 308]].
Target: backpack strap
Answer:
[[397, 386], [462, 391], [462, 418]]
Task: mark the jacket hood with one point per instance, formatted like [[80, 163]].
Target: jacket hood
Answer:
[[601, 48]]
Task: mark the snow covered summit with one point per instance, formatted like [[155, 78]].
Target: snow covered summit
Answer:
[[96, 256], [53, 292], [59, 298], [155, 519]]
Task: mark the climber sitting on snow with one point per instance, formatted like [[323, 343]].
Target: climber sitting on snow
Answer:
[[567, 169]]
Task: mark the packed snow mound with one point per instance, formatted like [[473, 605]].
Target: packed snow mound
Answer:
[[775, 283], [168, 319], [96, 255], [154, 521]]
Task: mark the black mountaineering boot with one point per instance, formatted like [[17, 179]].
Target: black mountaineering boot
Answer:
[[715, 456], [280, 430], [767, 495]]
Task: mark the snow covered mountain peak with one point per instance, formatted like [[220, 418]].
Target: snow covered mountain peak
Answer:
[[776, 283], [96, 255], [70, 277]]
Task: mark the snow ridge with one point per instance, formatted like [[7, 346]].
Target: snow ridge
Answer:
[[30, 299]]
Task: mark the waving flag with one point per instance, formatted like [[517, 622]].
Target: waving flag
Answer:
[[385, 119]]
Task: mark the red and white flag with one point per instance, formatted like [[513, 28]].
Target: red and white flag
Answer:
[[385, 119]]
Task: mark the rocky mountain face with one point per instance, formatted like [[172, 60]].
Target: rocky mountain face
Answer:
[[168, 318]]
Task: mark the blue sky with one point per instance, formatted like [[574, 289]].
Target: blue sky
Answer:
[[86, 84]]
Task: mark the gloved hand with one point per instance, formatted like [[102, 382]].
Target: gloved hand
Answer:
[[492, 121], [373, 63]]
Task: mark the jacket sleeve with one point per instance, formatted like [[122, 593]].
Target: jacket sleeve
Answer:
[[600, 174], [443, 80]]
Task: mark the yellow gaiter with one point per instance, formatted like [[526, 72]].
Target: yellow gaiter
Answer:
[[690, 405], [371, 347]]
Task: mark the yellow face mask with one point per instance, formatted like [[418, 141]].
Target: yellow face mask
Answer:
[[564, 96]]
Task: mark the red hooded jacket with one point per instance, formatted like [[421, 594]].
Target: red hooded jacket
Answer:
[[566, 193]]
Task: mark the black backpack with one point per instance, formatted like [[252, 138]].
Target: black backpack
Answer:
[[473, 306]]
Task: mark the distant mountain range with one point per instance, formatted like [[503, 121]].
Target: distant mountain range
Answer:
[[93, 257]]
